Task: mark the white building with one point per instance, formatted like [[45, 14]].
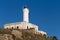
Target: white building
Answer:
[[23, 25]]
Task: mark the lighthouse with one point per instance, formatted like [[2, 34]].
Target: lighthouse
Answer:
[[25, 14], [25, 24]]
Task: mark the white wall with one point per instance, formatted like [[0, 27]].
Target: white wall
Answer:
[[21, 25]]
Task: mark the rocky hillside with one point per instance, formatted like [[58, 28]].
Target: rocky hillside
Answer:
[[14, 34]]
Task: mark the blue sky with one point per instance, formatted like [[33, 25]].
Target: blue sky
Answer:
[[44, 13]]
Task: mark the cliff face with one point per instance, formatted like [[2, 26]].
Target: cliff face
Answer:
[[13, 34]]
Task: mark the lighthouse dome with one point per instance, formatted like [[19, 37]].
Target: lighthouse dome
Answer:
[[25, 6]]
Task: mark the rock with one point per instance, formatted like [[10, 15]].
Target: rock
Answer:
[[6, 37], [16, 33]]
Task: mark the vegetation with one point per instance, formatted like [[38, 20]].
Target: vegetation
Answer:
[[31, 36], [28, 35], [5, 31]]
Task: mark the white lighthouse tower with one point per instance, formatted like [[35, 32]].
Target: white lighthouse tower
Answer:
[[25, 14]]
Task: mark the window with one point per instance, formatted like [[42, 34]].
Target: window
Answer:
[[7, 27], [27, 27], [12, 27], [17, 27]]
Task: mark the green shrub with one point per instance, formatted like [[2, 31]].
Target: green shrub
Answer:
[[5, 31]]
